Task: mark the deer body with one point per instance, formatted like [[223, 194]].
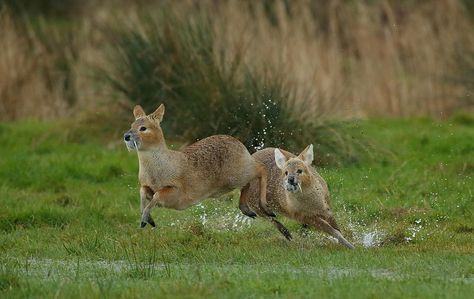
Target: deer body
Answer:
[[204, 169], [296, 190], [179, 179]]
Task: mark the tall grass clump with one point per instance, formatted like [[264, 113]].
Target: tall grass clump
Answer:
[[175, 60], [181, 62], [342, 59], [360, 58], [22, 65], [37, 75], [45, 66]]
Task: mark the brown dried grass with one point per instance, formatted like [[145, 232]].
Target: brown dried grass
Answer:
[[379, 59], [343, 59]]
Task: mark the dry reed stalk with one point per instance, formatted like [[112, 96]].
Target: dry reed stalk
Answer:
[[368, 59], [45, 72], [339, 59]]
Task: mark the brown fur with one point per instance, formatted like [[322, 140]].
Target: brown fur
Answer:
[[208, 168], [310, 205]]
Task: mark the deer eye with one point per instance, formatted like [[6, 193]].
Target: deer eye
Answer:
[[142, 129], [286, 172], [299, 171]]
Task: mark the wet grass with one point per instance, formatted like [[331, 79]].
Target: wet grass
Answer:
[[69, 224]]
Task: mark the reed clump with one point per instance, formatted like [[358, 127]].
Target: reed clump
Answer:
[[316, 60]]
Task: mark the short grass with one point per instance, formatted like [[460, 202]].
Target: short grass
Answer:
[[70, 212]]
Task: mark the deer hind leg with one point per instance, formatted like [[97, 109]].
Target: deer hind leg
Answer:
[[281, 228], [262, 176], [146, 195], [323, 225], [243, 202]]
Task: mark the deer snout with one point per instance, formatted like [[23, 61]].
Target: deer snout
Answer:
[[131, 141], [291, 183], [292, 180]]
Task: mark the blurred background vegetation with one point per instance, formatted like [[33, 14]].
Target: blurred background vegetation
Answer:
[[273, 72]]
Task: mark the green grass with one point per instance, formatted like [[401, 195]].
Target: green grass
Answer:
[[70, 212]]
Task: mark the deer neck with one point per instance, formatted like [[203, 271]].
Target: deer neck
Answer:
[[160, 162]]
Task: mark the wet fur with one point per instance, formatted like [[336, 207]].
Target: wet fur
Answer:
[[310, 206]]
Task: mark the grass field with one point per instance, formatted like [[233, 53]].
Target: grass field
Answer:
[[70, 213]]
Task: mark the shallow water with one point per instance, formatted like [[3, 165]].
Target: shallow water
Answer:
[[51, 269], [59, 269]]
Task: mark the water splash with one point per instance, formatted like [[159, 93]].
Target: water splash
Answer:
[[224, 218], [203, 217], [414, 230], [372, 239], [367, 236], [262, 135]]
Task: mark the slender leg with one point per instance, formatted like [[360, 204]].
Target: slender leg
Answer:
[[263, 191], [146, 195], [281, 228], [323, 225], [169, 197], [243, 202]]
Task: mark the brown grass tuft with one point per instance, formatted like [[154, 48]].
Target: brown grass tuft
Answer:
[[342, 58]]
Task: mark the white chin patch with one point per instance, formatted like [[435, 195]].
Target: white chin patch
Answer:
[[131, 145], [291, 188]]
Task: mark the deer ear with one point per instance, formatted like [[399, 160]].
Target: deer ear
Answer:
[[280, 159], [158, 114], [138, 112], [307, 155]]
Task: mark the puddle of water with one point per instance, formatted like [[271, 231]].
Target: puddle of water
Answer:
[[59, 269], [50, 269]]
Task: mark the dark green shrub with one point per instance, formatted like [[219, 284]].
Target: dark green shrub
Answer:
[[175, 61]]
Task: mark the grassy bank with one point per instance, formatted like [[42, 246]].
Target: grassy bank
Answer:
[[69, 224]]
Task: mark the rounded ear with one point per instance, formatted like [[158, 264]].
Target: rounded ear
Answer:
[[138, 112], [307, 155], [280, 159], [158, 114]]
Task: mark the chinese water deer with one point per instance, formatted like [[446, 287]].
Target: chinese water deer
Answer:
[[296, 190], [179, 179]]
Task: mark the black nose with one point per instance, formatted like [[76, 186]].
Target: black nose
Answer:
[[126, 137], [291, 180]]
